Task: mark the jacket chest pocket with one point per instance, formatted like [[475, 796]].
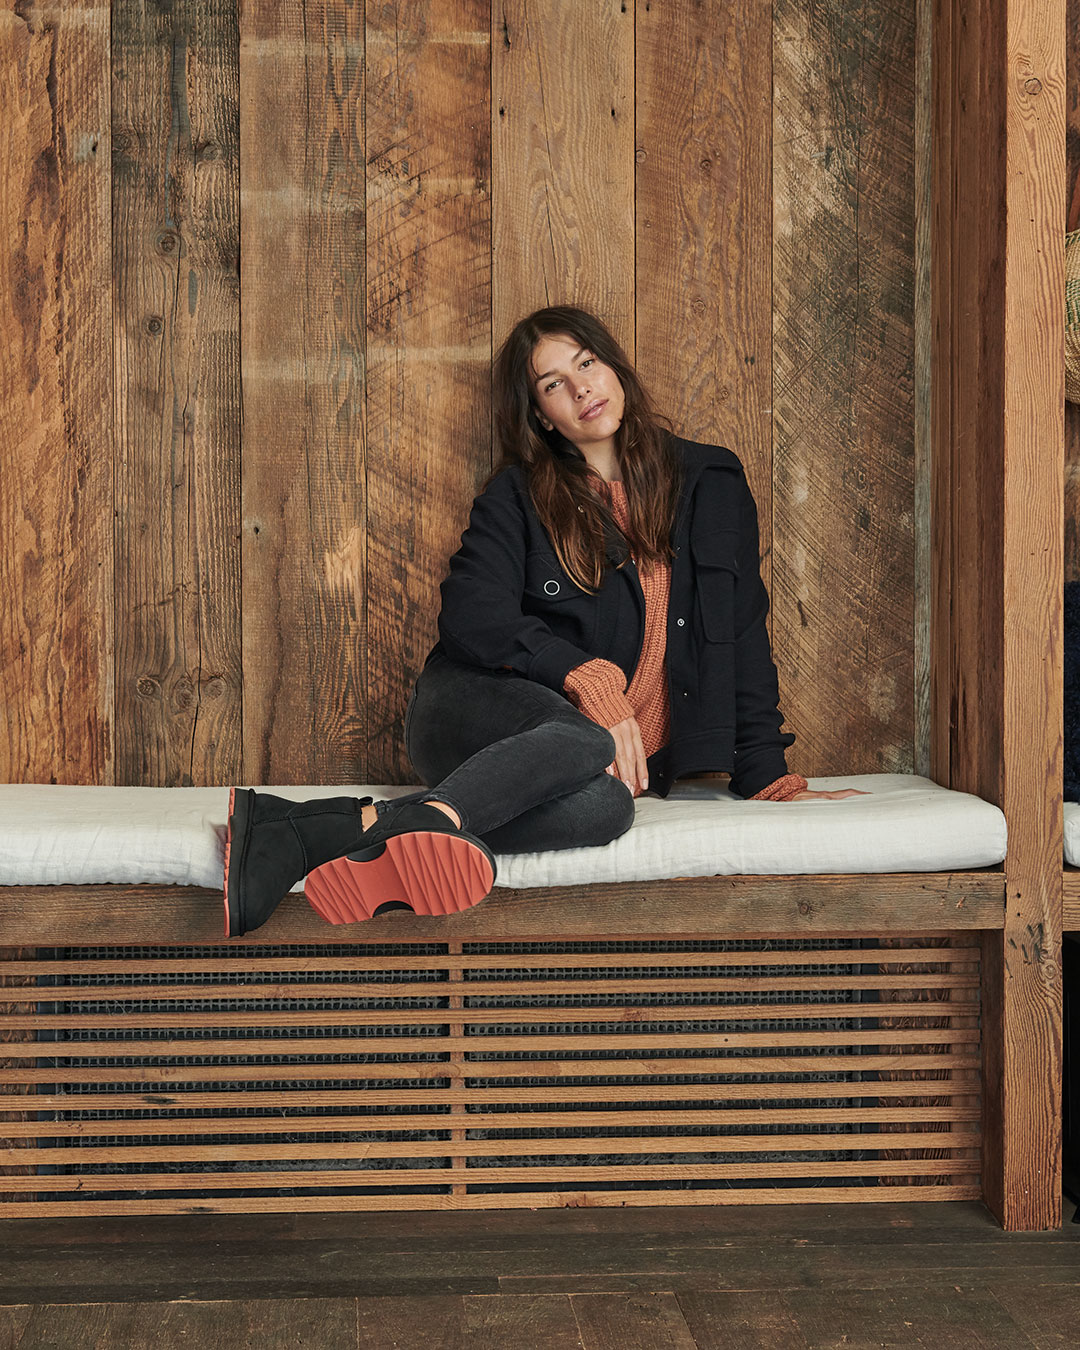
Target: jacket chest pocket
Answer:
[[716, 570], [549, 591]]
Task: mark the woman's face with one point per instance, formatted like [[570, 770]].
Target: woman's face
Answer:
[[575, 392]]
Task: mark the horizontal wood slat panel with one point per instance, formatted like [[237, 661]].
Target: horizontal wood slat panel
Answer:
[[775, 1022], [308, 1204], [487, 1044], [486, 1176], [478, 1148], [480, 961], [1071, 899], [537, 1120], [261, 1100], [601, 986], [638, 1013], [502, 1068]]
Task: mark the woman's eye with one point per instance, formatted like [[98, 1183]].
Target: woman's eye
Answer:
[[549, 387], [588, 361]]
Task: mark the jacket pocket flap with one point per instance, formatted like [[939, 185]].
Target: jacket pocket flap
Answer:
[[545, 581], [716, 548]]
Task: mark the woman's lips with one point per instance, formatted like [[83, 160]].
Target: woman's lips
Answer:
[[593, 410]]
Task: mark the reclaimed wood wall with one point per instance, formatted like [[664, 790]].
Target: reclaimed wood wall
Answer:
[[258, 258]]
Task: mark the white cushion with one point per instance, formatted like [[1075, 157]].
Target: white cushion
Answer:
[[50, 835], [1072, 833]]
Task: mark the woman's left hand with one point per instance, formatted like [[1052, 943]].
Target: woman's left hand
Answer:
[[832, 796]]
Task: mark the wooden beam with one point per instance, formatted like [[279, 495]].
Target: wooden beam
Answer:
[[998, 397], [795, 906]]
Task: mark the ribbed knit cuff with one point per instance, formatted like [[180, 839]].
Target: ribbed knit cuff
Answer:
[[598, 689], [782, 790]]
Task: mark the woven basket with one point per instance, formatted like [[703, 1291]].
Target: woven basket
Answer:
[[1072, 316]]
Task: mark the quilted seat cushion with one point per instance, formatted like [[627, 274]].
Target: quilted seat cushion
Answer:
[[51, 835]]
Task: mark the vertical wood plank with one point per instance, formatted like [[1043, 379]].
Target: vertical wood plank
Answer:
[[923, 316], [176, 325], [1072, 172], [1024, 1187], [944, 80], [303, 273], [562, 91], [999, 186], [973, 383], [55, 404], [704, 226], [428, 331], [843, 342]]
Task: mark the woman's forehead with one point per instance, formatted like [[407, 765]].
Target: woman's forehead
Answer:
[[551, 349]]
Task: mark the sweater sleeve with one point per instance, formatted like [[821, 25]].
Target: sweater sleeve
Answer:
[[481, 621], [598, 689], [783, 790]]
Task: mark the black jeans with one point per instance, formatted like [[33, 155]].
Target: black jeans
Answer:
[[522, 767]]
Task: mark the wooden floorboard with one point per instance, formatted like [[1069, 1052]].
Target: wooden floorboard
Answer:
[[329, 1324], [804, 1277]]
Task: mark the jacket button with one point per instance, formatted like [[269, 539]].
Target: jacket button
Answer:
[[551, 588], [681, 623], [686, 693]]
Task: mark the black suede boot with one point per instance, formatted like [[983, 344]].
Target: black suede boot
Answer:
[[412, 857], [272, 843]]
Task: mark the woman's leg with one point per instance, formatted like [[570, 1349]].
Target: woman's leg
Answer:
[[520, 765]]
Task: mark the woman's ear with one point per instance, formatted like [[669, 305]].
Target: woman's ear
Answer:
[[548, 426]]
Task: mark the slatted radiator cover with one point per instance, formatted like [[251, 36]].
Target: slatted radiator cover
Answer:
[[488, 1075]]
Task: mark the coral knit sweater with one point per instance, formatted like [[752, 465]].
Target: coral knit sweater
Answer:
[[598, 688]]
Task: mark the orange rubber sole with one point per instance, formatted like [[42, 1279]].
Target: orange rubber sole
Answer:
[[431, 873]]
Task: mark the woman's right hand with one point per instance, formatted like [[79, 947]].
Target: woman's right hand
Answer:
[[629, 764]]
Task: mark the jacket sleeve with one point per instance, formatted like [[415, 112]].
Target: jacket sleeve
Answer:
[[759, 742], [481, 622]]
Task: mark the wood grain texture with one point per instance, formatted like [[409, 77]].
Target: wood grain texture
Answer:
[[563, 109], [304, 502], [273, 1323], [1071, 900], [843, 347], [569, 1199], [1022, 990], [428, 330], [712, 906], [1072, 172], [969, 380], [176, 323], [451, 1067], [56, 427], [925, 579], [15, 987], [652, 1321], [704, 225]]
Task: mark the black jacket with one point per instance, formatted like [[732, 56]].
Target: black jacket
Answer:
[[508, 602]]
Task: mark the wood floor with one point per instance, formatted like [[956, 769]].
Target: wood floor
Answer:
[[935, 1275]]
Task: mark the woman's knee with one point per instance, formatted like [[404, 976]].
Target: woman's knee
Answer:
[[594, 745], [611, 808]]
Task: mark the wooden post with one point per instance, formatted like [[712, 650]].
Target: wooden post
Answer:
[[998, 302]]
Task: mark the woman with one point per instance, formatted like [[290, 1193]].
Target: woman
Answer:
[[602, 633]]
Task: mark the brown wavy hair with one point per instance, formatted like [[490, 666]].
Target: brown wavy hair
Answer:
[[578, 520]]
